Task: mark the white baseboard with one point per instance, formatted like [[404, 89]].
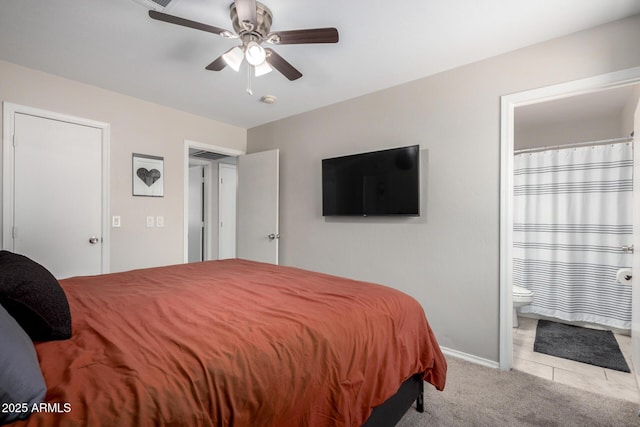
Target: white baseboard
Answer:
[[470, 358]]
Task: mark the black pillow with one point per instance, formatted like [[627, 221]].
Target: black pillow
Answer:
[[21, 381], [31, 294]]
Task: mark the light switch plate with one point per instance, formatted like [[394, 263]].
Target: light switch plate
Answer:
[[115, 221], [150, 221], [159, 221]]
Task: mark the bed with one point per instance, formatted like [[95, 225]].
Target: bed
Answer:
[[235, 343]]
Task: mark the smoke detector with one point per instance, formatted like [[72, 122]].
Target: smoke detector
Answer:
[[268, 99]]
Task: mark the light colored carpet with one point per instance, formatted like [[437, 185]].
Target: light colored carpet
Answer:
[[479, 396]]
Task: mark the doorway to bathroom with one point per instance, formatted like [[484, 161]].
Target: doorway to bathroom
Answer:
[[572, 207], [572, 232], [543, 101]]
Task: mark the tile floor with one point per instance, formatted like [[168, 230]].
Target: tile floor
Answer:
[[608, 382]]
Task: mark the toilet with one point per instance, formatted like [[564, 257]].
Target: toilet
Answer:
[[521, 297]]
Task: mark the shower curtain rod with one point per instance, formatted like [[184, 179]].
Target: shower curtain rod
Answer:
[[576, 144]]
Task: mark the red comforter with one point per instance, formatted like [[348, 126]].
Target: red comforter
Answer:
[[232, 343]]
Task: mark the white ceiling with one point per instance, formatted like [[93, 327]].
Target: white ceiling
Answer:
[[113, 44]]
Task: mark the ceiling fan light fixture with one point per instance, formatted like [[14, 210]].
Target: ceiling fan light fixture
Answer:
[[255, 53], [262, 69], [234, 58]]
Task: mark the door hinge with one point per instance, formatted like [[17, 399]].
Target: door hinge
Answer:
[[221, 180], [14, 232], [13, 138]]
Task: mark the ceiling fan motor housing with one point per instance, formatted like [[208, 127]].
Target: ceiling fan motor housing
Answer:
[[244, 29]]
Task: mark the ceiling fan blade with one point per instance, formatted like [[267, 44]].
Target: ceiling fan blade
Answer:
[[217, 65], [279, 63], [311, 35], [159, 16], [246, 10]]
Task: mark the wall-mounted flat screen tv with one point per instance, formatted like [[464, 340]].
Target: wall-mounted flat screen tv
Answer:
[[383, 182]]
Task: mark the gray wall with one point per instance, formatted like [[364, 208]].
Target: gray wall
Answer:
[[568, 131], [602, 115], [136, 126], [448, 258]]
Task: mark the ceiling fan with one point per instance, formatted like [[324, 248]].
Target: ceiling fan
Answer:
[[251, 22]]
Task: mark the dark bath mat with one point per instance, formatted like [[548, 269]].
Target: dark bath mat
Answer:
[[591, 346]]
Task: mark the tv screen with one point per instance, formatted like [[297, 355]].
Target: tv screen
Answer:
[[383, 182]]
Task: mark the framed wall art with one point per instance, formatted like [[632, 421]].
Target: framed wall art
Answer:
[[148, 175]]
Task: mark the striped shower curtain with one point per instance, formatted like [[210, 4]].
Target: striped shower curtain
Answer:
[[572, 215]]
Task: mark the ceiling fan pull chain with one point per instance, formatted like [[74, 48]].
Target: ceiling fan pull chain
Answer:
[[249, 67]]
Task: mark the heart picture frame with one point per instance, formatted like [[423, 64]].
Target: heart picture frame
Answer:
[[148, 175]]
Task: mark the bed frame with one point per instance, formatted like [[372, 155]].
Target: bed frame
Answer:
[[394, 408]]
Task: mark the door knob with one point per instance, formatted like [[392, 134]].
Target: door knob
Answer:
[[93, 240], [273, 236], [627, 249]]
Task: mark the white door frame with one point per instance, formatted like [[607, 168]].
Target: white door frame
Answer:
[[224, 205], [8, 129], [206, 205], [508, 105], [198, 146]]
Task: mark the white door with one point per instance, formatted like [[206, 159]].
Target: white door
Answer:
[[227, 201], [258, 206], [196, 213], [57, 195]]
